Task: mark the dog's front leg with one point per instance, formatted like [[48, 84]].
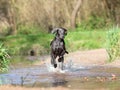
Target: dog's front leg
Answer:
[[53, 61]]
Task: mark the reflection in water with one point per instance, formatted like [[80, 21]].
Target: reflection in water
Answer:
[[59, 80]]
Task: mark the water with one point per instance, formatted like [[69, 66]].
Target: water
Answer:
[[73, 76]]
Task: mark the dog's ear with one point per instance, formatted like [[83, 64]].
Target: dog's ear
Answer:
[[65, 30], [54, 31]]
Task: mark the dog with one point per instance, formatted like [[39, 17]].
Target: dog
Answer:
[[58, 48]]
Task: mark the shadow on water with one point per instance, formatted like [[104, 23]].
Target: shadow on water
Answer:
[[74, 76]]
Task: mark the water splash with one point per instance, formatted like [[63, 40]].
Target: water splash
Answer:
[[69, 64], [50, 68], [68, 67]]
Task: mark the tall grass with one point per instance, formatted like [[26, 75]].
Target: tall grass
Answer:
[[4, 62], [113, 43]]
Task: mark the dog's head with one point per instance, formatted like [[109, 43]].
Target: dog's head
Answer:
[[60, 32]]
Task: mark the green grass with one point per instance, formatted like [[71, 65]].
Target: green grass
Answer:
[[4, 61], [113, 43], [21, 44], [82, 40]]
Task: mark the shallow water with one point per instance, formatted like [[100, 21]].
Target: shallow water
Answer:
[[73, 77]]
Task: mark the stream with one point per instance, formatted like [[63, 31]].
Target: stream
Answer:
[[73, 76]]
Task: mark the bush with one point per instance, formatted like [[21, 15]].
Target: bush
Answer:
[[94, 22], [27, 29], [3, 59], [113, 43]]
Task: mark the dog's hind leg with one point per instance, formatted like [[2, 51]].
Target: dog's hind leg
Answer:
[[62, 63], [52, 59]]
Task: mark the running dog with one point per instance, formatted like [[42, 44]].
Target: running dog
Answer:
[[58, 46]]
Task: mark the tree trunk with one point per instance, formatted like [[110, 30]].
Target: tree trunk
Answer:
[[111, 10], [74, 14], [11, 17]]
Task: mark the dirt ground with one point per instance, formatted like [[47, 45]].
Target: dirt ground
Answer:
[[84, 58], [92, 57], [88, 58]]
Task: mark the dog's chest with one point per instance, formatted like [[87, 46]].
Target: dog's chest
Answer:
[[59, 45]]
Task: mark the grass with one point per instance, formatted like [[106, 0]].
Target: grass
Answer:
[[113, 43], [4, 61], [82, 40], [21, 44]]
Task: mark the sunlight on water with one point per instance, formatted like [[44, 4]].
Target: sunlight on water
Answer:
[[68, 67], [50, 68]]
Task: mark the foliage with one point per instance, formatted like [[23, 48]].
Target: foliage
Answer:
[[94, 22], [46, 13], [113, 43], [3, 59], [29, 29]]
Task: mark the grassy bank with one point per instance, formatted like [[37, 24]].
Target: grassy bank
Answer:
[[82, 40], [22, 44]]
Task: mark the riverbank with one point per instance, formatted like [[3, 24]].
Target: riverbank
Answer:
[[87, 58]]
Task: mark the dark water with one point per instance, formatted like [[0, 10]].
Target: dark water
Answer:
[[74, 77]]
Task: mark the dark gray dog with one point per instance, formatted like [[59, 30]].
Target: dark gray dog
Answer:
[[58, 46]]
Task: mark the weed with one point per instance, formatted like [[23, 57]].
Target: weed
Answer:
[[113, 43], [3, 59]]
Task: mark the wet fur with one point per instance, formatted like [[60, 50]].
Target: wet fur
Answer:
[[58, 46]]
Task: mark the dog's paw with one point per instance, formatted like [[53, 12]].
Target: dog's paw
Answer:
[[55, 65], [66, 52]]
